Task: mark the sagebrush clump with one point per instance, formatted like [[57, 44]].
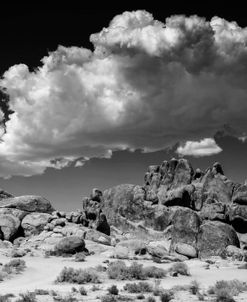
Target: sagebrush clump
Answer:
[[14, 266], [140, 287], [79, 276], [233, 287], [27, 297], [118, 270], [113, 290]]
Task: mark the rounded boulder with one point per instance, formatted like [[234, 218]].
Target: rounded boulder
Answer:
[[70, 245]]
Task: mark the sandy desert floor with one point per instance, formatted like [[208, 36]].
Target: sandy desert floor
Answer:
[[41, 273]]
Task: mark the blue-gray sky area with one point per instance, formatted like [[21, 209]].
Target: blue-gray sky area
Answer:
[[91, 98]]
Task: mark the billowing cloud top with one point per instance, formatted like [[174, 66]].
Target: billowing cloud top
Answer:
[[146, 85]]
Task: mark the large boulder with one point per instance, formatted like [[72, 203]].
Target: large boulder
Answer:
[[34, 223], [185, 227], [214, 210], [9, 226], [70, 245], [186, 250], [15, 212], [29, 203], [214, 237], [96, 236], [125, 201]]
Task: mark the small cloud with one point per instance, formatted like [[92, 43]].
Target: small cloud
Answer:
[[204, 147]]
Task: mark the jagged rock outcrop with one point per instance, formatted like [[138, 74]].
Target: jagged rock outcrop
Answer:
[[28, 203], [196, 212]]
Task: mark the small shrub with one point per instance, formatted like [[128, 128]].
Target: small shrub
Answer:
[[100, 268], [79, 276], [180, 268], [118, 270], [53, 293], [27, 297], [166, 296], [177, 288], [194, 287], [94, 288], [14, 266], [224, 295], [41, 291], [3, 275], [74, 290], [150, 299], [80, 257], [154, 272], [136, 271], [140, 287], [140, 297], [156, 259], [6, 298], [113, 290], [200, 296], [68, 298], [108, 298], [82, 291]]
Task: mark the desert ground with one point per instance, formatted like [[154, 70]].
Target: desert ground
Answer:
[[41, 273]]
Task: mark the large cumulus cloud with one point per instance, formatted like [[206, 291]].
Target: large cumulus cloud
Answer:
[[147, 84]]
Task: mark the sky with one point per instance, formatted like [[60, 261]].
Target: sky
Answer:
[[90, 98]]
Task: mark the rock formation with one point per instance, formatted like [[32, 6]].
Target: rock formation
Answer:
[[184, 213]]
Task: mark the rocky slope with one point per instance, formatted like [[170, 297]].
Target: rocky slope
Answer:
[[178, 213]]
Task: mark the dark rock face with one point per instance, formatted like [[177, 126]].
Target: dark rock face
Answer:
[[102, 225], [214, 237], [238, 217], [29, 203], [70, 245]]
